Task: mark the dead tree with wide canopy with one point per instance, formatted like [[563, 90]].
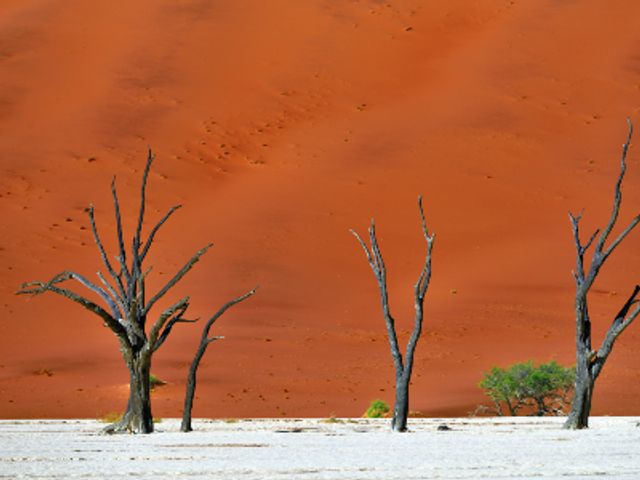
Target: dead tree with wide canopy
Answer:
[[128, 311], [403, 366], [589, 362]]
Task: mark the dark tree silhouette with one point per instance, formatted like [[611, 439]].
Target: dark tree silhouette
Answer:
[[403, 366], [127, 308], [589, 363], [205, 340]]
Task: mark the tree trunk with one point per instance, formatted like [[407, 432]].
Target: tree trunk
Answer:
[[542, 407], [578, 417], [191, 388], [401, 407], [138, 417]]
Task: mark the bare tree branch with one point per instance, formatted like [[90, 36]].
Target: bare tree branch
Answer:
[[177, 318], [425, 274], [617, 196], [224, 308], [621, 237], [380, 272], [180, 307], [149, 241], [122, 258], [591, 239], [420, 289], [37, 288], [620, 323], [103, 253], [377, 266], [176, 278], [377, 255], [143, 188], [366, 252], [575, 227], [115, 310], [135, 282]]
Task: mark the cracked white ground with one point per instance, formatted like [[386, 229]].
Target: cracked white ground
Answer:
[[353, 449]]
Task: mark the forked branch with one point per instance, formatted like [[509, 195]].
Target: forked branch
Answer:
[[177, 277], [403, 366], [621, 321], [103, 254], [38, 288], [179, 307], [376, 262]]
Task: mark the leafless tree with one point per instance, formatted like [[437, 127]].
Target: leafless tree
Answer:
[[127, 308], [205, 340], [589, 362], [403, 366]]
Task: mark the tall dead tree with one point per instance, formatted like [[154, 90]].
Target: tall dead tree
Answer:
[[205, 340], [127, 308], [403, 366], [589, 362]]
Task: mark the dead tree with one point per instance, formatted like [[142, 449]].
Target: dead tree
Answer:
[[589, 362], [205, 340], [127, 307], [403, 366]]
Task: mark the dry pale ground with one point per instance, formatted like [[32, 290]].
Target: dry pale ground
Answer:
[[316, 449]]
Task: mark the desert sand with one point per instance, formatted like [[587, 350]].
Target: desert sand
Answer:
[[314, 449], [281, 125]]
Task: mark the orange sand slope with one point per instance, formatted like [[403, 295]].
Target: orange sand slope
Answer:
[[280, 125]]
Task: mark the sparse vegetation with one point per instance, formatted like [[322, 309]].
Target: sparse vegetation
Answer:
[[377, 409], [539, 390], [155, 381], [332, 419]]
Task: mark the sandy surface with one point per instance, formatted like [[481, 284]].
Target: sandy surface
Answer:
[[313, 449], [280, 125]]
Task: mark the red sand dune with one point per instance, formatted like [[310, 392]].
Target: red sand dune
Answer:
[[280, 125]]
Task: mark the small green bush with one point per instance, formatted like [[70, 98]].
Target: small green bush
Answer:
[[541, 390], [377, 409], [155, 381]]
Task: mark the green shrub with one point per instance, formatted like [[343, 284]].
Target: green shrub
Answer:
[[155, 381], [540, 390], [377, 409]]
